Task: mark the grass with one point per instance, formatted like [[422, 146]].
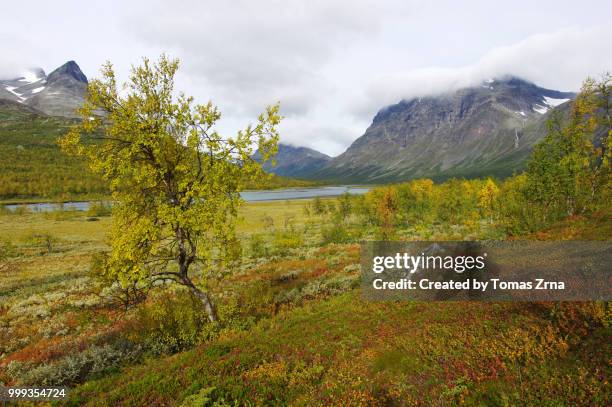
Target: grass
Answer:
[[297, 332]]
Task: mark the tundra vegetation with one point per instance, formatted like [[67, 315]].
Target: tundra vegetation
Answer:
[[292, 327]]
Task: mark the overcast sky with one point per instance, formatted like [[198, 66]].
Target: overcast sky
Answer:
[[332, 64]]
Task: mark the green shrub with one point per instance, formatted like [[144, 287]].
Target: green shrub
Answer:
[[170, 321], [336, 233], [286, 240], [318, 206], [202, 398], [99, 209], [208, 396], [258, 246]]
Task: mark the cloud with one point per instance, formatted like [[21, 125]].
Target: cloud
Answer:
[[558, 60], [250, 54], [329, 138], [12, 60], [331, 63]]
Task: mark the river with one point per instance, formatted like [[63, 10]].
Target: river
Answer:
[[249, 196]]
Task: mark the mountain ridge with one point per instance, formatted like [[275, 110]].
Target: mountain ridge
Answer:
[[296, 162], [60, 93], [482, 130]]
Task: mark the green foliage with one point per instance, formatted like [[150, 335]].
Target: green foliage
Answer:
[[517, 213], [569, 172], [174, 178], [287, 240], [417, 201], [488, 197], [344, 206], [335, 233], [99, 209], [258, 246], [318, 206], [273, 181], [457, 201], [169, 322], [32, 165], [205, 397]]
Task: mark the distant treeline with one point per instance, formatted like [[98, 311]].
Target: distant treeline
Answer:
[[32, 166]]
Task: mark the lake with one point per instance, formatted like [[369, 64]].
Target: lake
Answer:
[[249, 196]]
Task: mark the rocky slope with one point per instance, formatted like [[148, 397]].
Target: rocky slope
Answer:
[[295, 162], [58, 94], [483, 130]]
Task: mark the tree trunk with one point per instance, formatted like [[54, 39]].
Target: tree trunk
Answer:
[[206, 302], [184, 261]]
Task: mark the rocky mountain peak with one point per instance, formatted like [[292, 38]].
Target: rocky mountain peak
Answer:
[[59, 94], [488, 128], [69, 69]]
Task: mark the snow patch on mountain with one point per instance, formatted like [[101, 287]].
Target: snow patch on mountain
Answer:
[[540, 109], [548, 104], [552, 102], [12, 90]]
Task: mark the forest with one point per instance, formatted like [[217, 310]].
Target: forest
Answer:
[[33, 167]]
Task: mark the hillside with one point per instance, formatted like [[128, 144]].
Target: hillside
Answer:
[[478, 131], [371, 354], [31, 164], [298, 162]]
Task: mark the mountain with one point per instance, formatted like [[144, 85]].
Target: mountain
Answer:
[[297, 162], [22, 88], [58, 94], [489, 129], [11, 111]]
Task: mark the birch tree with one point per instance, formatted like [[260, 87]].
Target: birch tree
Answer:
[[174, 178]]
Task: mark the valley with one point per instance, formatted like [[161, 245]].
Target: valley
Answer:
[[182, 294], [484, 130]]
